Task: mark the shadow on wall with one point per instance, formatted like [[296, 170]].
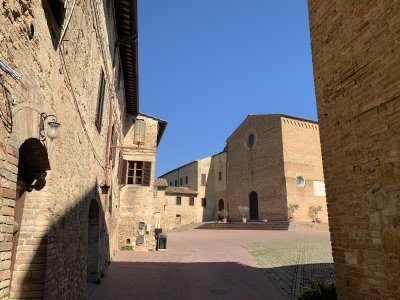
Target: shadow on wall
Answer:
[[211, 280], [73, 252]]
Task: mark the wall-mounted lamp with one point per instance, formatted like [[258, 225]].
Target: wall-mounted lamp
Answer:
[[53, 130], [104, 188]]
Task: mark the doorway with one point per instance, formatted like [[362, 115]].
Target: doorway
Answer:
[[253, 206], [221, 204]]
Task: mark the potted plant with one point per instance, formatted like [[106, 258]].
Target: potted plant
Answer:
[[313, 212], [223, 213], [243, 209], [291, 209]]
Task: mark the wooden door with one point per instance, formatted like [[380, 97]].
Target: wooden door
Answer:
[[253, 206]]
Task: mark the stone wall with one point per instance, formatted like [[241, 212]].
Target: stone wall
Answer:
[[194, 171], [216, 187], [139, 203], [356, 57], [189, 170], [302, 157], [60, 78], [175, 216]]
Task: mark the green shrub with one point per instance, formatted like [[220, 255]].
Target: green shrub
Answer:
[[313, 212], [319, 291], [291, 209], [223, 213], [243, 209], [126, 248]]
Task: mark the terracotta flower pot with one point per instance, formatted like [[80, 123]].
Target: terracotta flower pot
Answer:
[[244, 220], [224, 220]]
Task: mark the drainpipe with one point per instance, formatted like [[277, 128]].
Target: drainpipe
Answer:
[[110, 121], [67, 24]]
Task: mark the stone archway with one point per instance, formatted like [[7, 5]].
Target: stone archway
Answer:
[[93, 242]]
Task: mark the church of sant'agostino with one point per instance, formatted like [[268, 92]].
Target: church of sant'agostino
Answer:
[[269, 162]]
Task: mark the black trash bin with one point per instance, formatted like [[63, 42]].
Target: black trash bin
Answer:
[[162, 242], [157, 232]]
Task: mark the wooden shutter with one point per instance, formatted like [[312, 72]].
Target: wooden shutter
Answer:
[[123, 164], [100, 101], [146, 173], [114, 150]]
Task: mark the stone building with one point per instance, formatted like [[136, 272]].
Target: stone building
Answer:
[[272, 161], [140, 207], [195, 176], [269, 162], [180, 208], [216, 185], [355, 48], [73, 63]]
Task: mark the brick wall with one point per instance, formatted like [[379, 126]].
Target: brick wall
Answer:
[[60, 79], [8, 186], [302, 157], [356, 57], [251, 169]]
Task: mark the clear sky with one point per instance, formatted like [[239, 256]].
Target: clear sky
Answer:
[[204, 65]]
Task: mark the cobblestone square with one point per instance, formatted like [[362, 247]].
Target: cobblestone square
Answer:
[[220, 264]]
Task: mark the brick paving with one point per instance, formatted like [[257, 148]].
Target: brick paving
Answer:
[[200, 264], [292, 263]]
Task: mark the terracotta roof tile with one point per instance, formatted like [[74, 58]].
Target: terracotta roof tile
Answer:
[[180, 190]]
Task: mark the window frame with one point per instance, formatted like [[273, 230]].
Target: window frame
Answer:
[[203, 179], [135, 169], [178, 200], [191, 201], [204, 202]]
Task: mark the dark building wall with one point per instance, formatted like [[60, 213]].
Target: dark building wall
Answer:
[[355, 47]]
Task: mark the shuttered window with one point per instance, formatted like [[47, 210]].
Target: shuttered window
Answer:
[[147, 173], [178, 200], [100, 101], [113, 150], [135, 172], [122, 169], [191, 201]]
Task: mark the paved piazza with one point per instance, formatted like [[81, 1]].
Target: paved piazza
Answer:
[[221, 264]]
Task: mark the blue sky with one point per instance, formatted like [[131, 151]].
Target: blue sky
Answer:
[[205, 65]]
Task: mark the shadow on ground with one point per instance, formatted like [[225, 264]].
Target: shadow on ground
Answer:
[[214, 280]]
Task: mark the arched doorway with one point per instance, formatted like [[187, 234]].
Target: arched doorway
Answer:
[[93, 242], [253, 206], [221, 204]]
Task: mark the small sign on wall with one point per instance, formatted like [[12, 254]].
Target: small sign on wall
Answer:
[[319, 188]]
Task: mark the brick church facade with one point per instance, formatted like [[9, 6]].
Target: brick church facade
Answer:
[[269, 162]]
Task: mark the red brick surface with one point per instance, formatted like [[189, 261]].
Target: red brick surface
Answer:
[[198, 264]]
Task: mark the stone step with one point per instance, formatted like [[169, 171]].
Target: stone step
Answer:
[[272, 225]]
